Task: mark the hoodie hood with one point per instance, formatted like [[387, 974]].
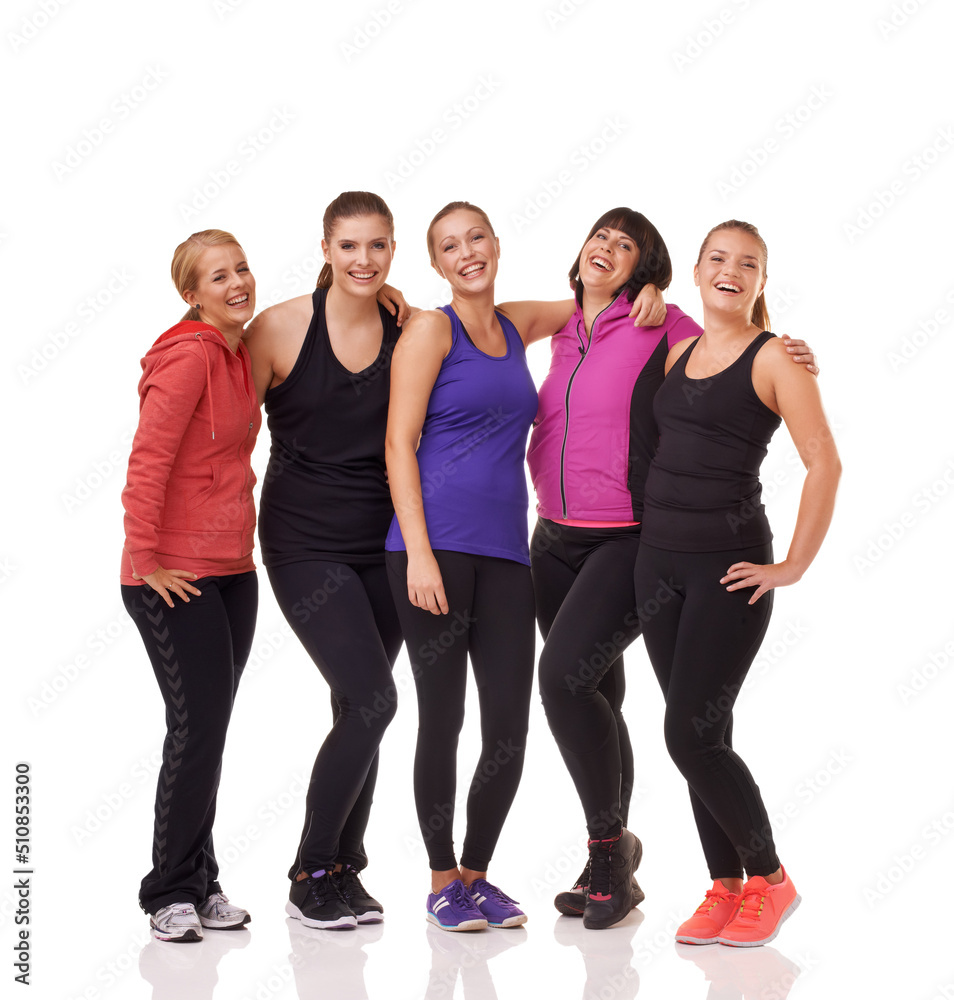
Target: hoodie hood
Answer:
[[187, 331]]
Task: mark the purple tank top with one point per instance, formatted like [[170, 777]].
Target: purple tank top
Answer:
[[472, 449]]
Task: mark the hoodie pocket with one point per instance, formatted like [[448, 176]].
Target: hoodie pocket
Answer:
[[197, 499]]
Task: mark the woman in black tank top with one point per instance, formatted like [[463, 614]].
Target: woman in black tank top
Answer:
[[321, 365], [705, 572]]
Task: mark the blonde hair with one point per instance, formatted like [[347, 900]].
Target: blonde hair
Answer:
[[349, 205], [760, 316], [185, 261], [454, 206]]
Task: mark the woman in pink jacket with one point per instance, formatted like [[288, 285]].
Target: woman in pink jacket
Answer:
[[589, 453], [188, 579]]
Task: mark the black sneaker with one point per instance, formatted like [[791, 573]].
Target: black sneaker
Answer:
[[316, 902], [610, 896], [571, 902], [365, 907]]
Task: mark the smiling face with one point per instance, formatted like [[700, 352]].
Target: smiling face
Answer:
[[465, 251], [607, 260], [224, 289], [730, 273], [360, 251]]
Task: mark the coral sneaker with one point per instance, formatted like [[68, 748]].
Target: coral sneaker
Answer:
[[713, 913], [763, 908]]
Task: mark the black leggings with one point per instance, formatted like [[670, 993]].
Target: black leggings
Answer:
[[490, 616], [198, 652], [586, 608], [344, 617], [702, 640]]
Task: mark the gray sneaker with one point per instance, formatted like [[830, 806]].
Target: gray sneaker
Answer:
[[176, 922], [218, 913]]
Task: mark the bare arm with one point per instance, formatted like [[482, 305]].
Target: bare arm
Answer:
[[791, 393], [414, 368], [261, 339], [538, 320]]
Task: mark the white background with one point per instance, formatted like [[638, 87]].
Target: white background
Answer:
[[827, 125]]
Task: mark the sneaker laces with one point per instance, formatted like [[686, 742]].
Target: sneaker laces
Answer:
[[457, 893], [323, 887], [713, 898], [348, 881], [489, 889], [599, 865], [755, 898]]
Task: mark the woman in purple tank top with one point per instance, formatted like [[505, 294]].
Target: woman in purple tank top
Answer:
[[462, 402]]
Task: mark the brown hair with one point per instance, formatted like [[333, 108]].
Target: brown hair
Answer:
[[653, 267], [455, 206], [185, 261], [348, 205], [760, 316]]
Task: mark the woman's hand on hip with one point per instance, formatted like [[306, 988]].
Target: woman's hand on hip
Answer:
[[765, 578], [164, 580]]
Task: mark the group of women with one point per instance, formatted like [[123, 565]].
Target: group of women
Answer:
[[395, 505]]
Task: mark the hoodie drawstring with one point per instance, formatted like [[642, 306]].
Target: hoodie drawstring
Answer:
[[208, 379]]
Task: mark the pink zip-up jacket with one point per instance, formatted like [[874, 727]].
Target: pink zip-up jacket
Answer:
[[188, 493], [594, 434]]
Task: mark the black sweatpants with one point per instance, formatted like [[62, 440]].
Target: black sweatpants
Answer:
[[586, 609], [490, 616], [198, 652], [702, 639], [344, 617]]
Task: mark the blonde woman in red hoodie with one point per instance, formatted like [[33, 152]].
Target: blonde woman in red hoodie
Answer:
[[188, 579]]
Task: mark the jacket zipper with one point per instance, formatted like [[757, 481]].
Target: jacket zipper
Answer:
[[584, 347]]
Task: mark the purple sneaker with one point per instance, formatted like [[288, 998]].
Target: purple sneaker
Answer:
[[454, 909], [499, 909]]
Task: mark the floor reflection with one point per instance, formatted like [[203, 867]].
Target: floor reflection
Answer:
[[742, 973], [330, 962], [175, 969], [607, 955], [465, 956]]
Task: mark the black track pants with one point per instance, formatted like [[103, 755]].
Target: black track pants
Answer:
[[198, 652]]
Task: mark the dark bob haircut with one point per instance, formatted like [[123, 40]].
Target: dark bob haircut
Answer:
[[654, 266]]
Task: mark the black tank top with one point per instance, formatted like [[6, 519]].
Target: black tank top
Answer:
[[703, 492], [325, 493]]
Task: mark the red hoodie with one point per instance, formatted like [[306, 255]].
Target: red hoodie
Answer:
[[188, 494]]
